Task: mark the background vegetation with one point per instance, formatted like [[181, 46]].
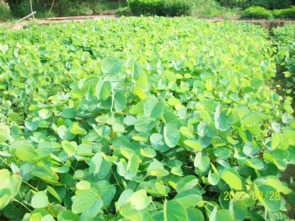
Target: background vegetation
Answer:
[[197, 8]]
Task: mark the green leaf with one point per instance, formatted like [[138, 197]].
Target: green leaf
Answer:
[[44, 113], [103, 131], [32, 123], [4, 133], [130, 213], [194, 144], [143, 82], [213, 178], [69, 147], [129, 170], [157, 169], [194, 214], [140, 200], [103, 90], [202, 162], [45, 174], [270, 197], [86, 200], [25, 152], [57, 192], [238, 209], [223, 121], [277, 184], [251, 118], [256, 83], [99, 166], [40, 200], [186, 183], [232, 178], [4, 48], [5, 197], [76, 129], [67, 215], [174, 211], [275, 140], [148, 152], [137, 108], [14, 116], [4, 177], [15, 184], [120, 101], [68, 113], [205, 116], [158, 143], [118, 128], [5, 191], [143, 124], [136, 70], [106, 191], [111, 65], [83, 185], [154, 108], [221, 215], [141, 137], [125, 195], [184, 131], [290, 135], [64, 133], [188, 198], [171, 134]]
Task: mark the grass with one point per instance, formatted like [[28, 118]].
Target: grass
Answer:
[[210, 8], [103, 6]]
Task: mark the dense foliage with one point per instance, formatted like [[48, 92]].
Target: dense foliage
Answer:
[[21, 8], [160, 7], [4, 12], [123, 11], [142, 119], [269, 4], [284, 13], [284, 39], [256, 12]]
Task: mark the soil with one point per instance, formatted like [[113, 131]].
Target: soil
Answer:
[[61, 20]]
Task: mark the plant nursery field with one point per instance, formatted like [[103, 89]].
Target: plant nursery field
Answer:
[[145, 119]]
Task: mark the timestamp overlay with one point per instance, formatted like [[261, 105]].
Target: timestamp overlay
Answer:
[[252, 195]]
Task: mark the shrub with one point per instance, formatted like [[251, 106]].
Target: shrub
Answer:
[[161, 8], [284, 13], [279, 4], [210, 8], [256, 12], [177, 8], [4, 12], [283, 38], [145, 7], [123, 11], [19, 8], [269, 4], [71, 8]]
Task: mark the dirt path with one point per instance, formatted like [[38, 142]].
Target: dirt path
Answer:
[[55, 20], [62, 20]]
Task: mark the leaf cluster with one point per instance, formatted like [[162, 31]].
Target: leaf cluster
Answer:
[[114, 119], [168, 8], [256, 12]]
